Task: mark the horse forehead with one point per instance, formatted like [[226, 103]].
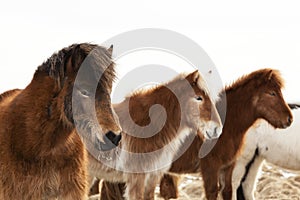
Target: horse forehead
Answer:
[[211, 92]]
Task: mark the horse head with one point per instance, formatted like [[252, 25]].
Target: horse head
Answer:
[[204, 115], [268, 99], [83, 75]]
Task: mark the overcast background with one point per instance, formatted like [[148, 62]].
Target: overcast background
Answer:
[[238, 36]]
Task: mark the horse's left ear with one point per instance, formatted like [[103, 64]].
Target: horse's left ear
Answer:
[[110, 50]]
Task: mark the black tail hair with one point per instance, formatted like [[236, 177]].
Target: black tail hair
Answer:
[[294, 106]]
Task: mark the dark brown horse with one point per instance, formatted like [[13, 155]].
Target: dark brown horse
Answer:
[[42, 155], [254, 96]]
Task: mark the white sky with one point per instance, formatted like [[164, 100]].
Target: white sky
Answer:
[[239, 36]]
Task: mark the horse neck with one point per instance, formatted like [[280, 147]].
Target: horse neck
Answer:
[[240, 116], [139, 106], [38, 128]]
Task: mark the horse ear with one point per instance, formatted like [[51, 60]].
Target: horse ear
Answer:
[[269, 75], [110, 50], [195, 76]]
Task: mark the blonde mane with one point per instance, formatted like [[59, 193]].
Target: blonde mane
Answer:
[[201, 83]]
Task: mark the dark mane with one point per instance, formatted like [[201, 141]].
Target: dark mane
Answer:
[[7, 93], [99, 62], [261, 76]]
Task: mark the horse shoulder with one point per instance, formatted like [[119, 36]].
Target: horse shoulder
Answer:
[[248, 150], [6, 100], [7, 97]]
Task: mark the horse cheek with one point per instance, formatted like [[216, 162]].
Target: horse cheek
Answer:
[[68, 108]]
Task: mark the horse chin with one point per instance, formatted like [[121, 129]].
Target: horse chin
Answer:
[[279, 125]]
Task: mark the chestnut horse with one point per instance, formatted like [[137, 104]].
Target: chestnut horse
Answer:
[[42, 155], [254, 96], [147, 152]]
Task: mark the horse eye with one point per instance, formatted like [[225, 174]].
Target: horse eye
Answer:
[[273, 93], [85, 93], [199, 98]]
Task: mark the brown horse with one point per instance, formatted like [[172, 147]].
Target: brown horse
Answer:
[[254, 96], [257, 95], [42, 155], [152, 134]]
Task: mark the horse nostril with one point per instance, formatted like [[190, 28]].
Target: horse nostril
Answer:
[[290, 120], [112, 137], [117, 139], [215, 131]]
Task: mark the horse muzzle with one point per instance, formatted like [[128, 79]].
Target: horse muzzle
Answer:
[[111, 141], [213, 132]]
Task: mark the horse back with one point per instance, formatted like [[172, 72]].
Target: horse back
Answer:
[[8, 95]]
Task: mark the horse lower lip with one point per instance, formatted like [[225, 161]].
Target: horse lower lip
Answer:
[[107, 146]]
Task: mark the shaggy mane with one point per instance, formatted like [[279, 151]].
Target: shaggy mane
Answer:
[[99, 61], [145, 91], [261, 76]]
